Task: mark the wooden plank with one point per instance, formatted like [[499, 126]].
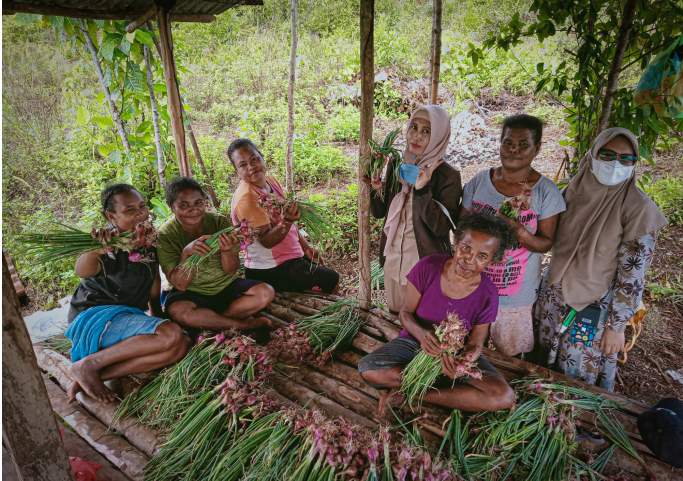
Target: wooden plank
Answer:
[[144, 438], [367, 101], [133, 26], [29, 432], [78, 447], [175, 108], [305, 397], [117, 450], [10, 8]]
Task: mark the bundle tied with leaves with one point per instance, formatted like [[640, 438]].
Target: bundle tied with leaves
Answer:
[[521, 202], [163, 401], [244, 233], [379, 156], [315, 338], [419, 375], [536, 440], [66, 241], [313, 216]]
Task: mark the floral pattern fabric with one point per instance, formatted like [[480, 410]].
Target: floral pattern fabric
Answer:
[[618, 305]]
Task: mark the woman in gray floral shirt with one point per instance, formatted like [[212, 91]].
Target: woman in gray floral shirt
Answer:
[[605, 242]]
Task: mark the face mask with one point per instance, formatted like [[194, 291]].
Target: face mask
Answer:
[[612, 172], [409, 173]]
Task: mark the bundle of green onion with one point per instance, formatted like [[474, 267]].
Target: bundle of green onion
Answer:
[[313, 216], [419, 375], [66, 241], [536, 440], [245, 234], [315, 338], [162, 402], [378, 158]]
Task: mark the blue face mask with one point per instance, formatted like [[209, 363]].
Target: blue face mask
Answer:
[[409, 173]]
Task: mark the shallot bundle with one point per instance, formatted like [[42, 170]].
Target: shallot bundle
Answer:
[[512, 206], [378, 158], [312, 216], [162, 402], [68, 241], [244, 233], [314, 338], [419, 375]]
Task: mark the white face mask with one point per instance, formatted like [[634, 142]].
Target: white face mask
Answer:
[[612, 172]]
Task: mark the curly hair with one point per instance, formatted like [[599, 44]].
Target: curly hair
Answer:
[[179, 184], [490, 225], [524, 121], [108, 193], [239, 143]]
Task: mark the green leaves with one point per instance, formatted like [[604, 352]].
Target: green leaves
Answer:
[[115, 156], [135, 79], [25, 18]]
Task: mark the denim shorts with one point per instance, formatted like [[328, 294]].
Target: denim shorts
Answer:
[[400, 351], [125, 324]]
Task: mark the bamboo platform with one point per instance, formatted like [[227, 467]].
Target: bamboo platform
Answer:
[[338, 390]]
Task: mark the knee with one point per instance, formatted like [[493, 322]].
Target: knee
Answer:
[[178, 312], [264, 293], [171, 335], [502, 396]]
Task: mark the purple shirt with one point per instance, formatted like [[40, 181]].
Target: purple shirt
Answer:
[[480, 307]]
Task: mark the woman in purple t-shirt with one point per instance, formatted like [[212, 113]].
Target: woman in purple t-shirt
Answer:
[[438, 285]]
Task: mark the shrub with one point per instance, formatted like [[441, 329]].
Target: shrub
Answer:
[[345, 125], [667, 192]]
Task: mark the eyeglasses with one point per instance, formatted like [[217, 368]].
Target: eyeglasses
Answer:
[[608, 156]]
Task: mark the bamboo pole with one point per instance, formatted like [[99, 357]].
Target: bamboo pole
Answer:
[[29, 432], [367, 93], [175, 108], [161, 166], [431, 51], [112, 106], [289, 156], [436, 59]]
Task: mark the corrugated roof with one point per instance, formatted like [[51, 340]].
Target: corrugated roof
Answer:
[[123, 7]]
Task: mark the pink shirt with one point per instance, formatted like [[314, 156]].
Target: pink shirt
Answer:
[[245, 206]]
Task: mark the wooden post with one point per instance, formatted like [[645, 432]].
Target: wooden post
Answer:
[[431, 52], [200, 161], [175, 108], [289, 176], [29, 431], [436, 59], [161, 167], [367, 113]]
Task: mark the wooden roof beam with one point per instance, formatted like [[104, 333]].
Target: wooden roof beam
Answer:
[[132, 26], [10, 8]]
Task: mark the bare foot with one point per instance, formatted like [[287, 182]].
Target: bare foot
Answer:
[[392, 399], [90, 382], [74, 388], [251, 323]]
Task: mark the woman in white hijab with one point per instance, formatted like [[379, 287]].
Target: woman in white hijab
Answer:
[[603, 248], [421, 210]]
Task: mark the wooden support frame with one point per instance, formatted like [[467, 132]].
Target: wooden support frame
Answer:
[[175, 108], [367, 111], [10, 8], [29, 431], [437, 21]]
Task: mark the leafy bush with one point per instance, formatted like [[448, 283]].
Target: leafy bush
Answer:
[[667, 192], [345, 125]]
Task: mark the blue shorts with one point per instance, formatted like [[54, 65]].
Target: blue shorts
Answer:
[[125, 324]]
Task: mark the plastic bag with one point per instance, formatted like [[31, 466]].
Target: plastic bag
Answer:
[[661, 86], [83, 469]]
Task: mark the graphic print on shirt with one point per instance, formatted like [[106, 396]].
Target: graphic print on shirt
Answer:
[[508, 275]]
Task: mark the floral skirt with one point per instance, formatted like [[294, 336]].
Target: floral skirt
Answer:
[[575, 359]]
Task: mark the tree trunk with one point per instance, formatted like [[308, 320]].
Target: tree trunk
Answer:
[[29, 432], [112, 106], [161, 167], [200, 161], [289, 172], [431, 50], [617, 61], [175, 108], [436, 63], [367, 93]]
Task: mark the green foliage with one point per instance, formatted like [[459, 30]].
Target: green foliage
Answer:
[[589, 32], [345, 125], [667, 192]]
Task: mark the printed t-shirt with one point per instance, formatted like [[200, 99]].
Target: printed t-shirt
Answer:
[[119, 283], [480, 307], [518, 276], [210, 278], [245, 206]]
